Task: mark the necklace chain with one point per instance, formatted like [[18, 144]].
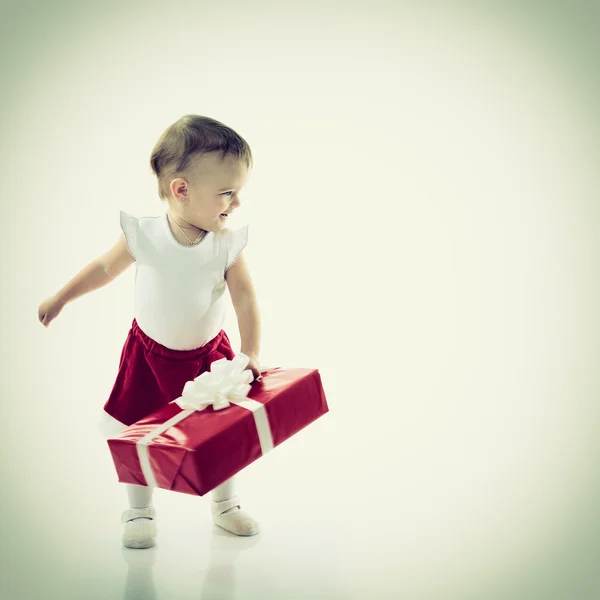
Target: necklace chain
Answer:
[[184, 233]]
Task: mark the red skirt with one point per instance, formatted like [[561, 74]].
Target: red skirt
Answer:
[[151, 375]]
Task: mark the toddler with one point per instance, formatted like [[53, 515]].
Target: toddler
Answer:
[[185, 259]]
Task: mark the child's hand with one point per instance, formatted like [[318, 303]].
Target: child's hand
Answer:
[[49, 309], [253, 365]]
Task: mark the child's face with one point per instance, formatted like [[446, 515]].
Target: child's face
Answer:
[[211, 190]]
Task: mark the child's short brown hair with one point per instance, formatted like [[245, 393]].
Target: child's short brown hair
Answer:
[[190, 136]]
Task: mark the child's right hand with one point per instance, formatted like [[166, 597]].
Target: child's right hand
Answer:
[[49, 309]]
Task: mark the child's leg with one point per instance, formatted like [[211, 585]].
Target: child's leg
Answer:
[[225, 491], [140, 496]]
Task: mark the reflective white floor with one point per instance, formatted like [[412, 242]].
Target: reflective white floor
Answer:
[[310, 530], [342, 515]]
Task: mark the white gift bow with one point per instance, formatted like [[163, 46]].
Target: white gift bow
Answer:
[[226, 383]]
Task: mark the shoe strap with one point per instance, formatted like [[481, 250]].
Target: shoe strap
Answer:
[[134, 513], [220, 507]]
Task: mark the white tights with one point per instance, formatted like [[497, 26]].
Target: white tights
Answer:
[[140, 496]]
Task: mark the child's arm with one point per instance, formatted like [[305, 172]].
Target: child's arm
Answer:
[[243, 297], [98, 273]]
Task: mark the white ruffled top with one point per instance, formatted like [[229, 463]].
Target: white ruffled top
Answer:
[[179, 298]]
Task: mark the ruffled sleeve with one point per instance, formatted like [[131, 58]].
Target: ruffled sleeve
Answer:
[[236, 242], [129, 225]]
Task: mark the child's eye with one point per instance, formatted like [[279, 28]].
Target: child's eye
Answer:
[[227, 193]]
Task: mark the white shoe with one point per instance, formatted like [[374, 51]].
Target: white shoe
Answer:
[[236, 521], [140, 533]]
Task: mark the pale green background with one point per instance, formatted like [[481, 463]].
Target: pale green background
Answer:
[[423, 229]]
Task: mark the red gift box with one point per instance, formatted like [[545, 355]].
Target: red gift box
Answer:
[[207, 447]]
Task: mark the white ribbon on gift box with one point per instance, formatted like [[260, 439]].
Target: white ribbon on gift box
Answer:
[[226, 383]]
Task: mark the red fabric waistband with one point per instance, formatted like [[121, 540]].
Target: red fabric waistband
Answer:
[[155, 348]]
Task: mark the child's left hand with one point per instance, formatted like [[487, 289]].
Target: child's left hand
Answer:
[[253, 365]]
